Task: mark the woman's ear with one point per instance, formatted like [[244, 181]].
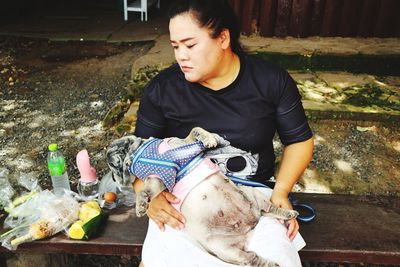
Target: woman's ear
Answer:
[[225, 38]]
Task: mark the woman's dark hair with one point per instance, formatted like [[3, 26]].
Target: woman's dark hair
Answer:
[[215, 15]]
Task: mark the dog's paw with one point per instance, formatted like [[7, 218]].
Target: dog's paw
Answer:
[[291, 214], [142, 203], [209, 141], [221, 142]]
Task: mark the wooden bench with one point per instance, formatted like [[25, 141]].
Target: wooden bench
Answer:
[[357, 229]]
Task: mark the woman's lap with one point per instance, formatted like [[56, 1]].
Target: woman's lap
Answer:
[[176, 248]]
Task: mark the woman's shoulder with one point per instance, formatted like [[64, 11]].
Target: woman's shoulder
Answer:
[[270, 79], [169, 77], [258, 64], [171, 73]]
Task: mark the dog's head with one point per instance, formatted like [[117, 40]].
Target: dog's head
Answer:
[[118, 158]]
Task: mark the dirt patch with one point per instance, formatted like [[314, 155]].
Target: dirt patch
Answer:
[[59, 92], [355, 157]]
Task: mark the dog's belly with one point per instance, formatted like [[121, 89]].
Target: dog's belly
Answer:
[[217, 211]]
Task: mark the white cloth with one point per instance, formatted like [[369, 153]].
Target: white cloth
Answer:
[[173, 248]]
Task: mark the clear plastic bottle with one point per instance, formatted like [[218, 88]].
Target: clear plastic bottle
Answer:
[[57, 169], [88, 186]]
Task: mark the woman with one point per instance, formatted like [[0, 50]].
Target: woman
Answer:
[[216, 86]]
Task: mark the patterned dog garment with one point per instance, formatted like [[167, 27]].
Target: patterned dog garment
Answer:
[[170, 165]]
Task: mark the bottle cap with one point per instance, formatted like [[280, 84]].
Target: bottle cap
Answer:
[[53, 147], [88, 173]]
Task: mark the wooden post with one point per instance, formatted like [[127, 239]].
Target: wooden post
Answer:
[[331, 17], [385, 24], [283, 18], [368, 17], [247, 16], [267, 17], [317, 16], [237, 7], [349, 19], [300, 19]]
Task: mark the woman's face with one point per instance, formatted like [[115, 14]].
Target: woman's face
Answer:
[[198, 55]]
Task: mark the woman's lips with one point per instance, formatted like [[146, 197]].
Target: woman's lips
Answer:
[[185, 68]]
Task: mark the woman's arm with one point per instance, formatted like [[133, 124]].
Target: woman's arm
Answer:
[[295, 159], [151, 123]]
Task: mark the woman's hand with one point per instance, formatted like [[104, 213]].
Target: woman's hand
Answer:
[[162, 212], [280, 198]]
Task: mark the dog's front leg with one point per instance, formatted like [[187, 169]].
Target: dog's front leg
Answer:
[[208, 139], [151, 188]]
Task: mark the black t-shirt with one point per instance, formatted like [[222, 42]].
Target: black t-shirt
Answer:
[[262, 100]]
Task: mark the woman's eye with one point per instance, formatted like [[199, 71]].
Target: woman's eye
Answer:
[[174, 47], [190, 46]]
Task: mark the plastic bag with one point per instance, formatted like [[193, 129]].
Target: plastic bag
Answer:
[[42, 216], [125, 194], [29, 182], [6, 190]]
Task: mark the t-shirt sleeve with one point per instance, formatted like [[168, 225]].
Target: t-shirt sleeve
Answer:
[[150, 119], [292, 124]]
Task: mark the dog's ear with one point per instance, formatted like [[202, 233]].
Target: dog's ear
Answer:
[[117, 152]]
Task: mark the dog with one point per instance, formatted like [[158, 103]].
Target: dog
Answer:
[[220, 215]]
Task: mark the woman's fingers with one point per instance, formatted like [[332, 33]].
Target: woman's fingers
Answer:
[[282, 201], [171, 219], [162, 212], [171, 198], [293, 228], [160, 225]]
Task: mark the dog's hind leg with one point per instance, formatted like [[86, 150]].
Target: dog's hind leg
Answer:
[[233, 251], [151, 188], [281, 213]]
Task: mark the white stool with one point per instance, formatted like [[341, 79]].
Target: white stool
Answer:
[[139, 6]]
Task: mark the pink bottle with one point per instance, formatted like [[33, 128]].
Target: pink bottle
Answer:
[[88, 186]]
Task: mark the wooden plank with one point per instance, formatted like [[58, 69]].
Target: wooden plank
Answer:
[[332, 13], [267, 17], [368, 17], [347, 228], [352, 229], [318, 7], [300, 19], [283, 18], [123, 234], [351, 12]]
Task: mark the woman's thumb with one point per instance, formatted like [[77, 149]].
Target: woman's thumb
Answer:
[[171, 198]]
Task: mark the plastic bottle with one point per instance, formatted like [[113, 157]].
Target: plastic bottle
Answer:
[[57, 169], [88, 186]]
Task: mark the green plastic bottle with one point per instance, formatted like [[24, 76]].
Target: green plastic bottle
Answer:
[[57, 169]]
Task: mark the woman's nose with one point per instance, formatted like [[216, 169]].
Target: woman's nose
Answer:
[[181, 54]]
